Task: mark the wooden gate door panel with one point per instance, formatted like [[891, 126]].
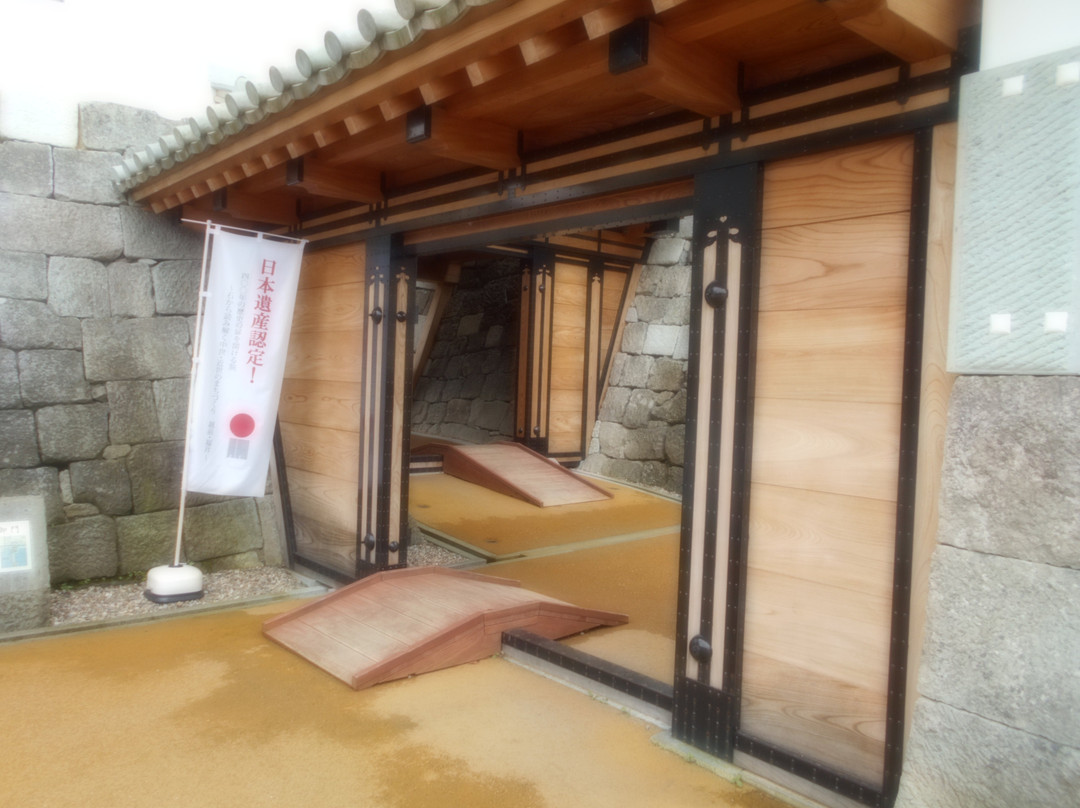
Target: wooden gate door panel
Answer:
[[344, 409], [319, 413], [798, 400]]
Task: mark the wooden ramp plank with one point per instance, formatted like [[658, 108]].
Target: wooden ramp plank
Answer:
[[404, 622], [516, 471]]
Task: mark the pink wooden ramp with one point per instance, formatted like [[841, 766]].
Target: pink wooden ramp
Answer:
[[403, 622], [516, 471]]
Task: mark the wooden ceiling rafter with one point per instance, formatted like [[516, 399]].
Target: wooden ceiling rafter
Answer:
[[498, 89]]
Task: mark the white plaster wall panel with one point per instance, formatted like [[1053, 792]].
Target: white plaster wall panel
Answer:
[[1017, 245]]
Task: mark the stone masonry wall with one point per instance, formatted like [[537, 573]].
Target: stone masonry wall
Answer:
[[999, 687], [640, 433], [97, 299], [466, 392]]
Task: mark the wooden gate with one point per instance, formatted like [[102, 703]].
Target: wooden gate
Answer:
[[803, 400], [343, 408]]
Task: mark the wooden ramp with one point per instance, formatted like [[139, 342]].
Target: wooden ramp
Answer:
[[516, 471], [403, 622]]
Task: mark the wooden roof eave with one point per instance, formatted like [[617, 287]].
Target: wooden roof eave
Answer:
[[468, 68]]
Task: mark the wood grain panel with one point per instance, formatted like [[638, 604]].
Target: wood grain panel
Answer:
[[325, 356], [842, 540], [329, 308], [326, 500], [861, 181], [831, 355], [835, 723], [337, 265], [323, 451], [846, 264], [835, 632], [335, 405], [836, 447]]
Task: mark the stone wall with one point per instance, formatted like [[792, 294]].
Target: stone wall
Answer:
[[97, 299], [641, 430], [466, 392], [996, 720]]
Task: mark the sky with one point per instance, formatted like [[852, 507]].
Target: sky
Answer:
[[148, 53]]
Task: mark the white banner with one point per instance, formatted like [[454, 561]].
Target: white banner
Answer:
[[237, 384]]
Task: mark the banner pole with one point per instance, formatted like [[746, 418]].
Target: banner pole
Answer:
[[196, 347]]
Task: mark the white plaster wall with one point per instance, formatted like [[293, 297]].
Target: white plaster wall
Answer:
[[1014, 30]]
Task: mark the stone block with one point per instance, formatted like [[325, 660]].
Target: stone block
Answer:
[[650, 474], [489, 415], [52, 377], [958, 760], [674, 281], [171, 401], [115, 127], [660, 340], [674, 445], [669, 251], [1011, 478], [677, 311], [472, 386], [436, 413], [85, 176], [469, 434], [429, 390], [419, 411], [635, 372], [668, 374], [131, 290], [132, 412], [146, 235], [18, 441], [494, 336], [72, 432], [633, 337], [22, 275], [10, 396], [241, 561], [85, 548], [55, 227], [672, 410], [458, 411], [469, 325], [146, 540], [498, 387], [273, 545], [142, 348], [43, 482], [613, 439], [674, 482], [639, 407], [651, 309], [103, 483], [78, 287], [1002, 641], [24, 566], [645, 444], [614, 404], [30, 324], [81, 510], [682, 344], [155, 470], [26, 168], [176, 287], [222, 529]]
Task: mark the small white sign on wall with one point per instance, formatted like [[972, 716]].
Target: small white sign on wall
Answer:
[[15, 554]]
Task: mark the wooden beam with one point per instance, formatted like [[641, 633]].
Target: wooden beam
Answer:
[[503, 25], [911, 29], [365, 144], [261, 208], [540, 47], [603, 21], [445, 86], [689, 76], [691, 22], [477, 142], [484, 70], [319, 179]]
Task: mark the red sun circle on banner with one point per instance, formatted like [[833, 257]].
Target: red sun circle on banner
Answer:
[[242, 425]]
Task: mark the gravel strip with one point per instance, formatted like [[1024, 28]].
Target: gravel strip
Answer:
[[90, 604]]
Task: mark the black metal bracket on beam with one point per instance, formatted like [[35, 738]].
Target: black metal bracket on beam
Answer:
[[418, 125], [628, 47], [294, 171], [220, 200]]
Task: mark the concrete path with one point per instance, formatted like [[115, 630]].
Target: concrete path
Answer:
[[203, 711]]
